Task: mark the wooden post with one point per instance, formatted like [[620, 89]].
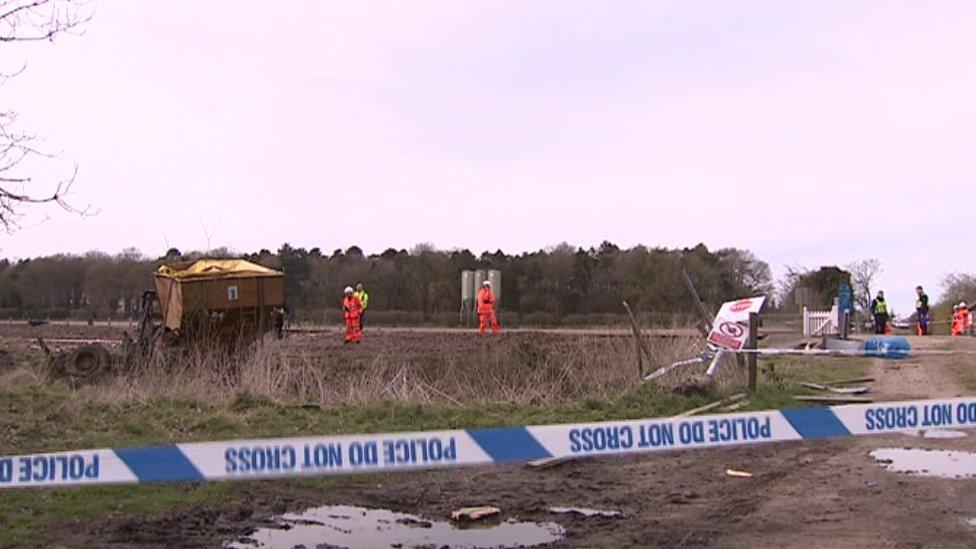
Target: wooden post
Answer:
[[753, 343], [638, 343]]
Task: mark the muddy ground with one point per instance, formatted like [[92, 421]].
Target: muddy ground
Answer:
[[807, 494]]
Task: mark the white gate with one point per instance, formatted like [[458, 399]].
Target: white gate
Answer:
[[817, 323]]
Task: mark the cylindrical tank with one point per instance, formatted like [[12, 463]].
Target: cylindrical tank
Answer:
[[467, 290], [495, 277], [479, 278]]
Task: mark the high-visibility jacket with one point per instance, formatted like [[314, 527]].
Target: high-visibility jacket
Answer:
[[922, 304], [879, 307], [351, 307], [363, 298], [486, 301]]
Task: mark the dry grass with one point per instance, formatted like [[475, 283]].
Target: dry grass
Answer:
[[458, 369]]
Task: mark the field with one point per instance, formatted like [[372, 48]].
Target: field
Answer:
[[803, 494]]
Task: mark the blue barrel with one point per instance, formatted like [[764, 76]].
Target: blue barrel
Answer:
[[887, 347]]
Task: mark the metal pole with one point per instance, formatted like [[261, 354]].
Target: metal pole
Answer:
[[753, 343], [702, 310]]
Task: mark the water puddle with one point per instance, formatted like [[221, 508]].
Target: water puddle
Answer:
[[927, 463], [937, 433], [349, 526], [585, 511], [943, 433]]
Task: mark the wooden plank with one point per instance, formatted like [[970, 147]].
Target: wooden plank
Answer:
[[546, 463], [734, 407], [834, 399], [837, 390], [712, 405], [849, 381]]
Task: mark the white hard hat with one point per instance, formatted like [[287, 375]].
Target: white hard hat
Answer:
[[962, 303], [486, 283], [348, 290]]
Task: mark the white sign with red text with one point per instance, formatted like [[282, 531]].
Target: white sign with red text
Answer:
[[730, 330]]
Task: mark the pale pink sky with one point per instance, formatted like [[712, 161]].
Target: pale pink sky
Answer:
[[812, 133]]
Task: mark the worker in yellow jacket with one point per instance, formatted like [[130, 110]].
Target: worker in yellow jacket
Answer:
[[364, 300]]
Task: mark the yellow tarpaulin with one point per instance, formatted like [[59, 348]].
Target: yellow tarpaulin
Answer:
[[217, 268]]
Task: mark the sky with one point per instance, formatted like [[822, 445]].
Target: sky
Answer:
[[811, 133]]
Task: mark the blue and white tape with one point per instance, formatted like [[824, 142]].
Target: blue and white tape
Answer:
[[337, 455]]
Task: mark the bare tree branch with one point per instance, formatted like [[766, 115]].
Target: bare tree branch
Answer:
[[32, 20], [25, 21], [864, 273]]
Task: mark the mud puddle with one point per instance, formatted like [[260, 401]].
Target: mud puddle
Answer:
[[586, 512], [349, 526], [927, 463]]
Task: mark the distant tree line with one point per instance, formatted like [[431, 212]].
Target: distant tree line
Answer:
[[555, 285]]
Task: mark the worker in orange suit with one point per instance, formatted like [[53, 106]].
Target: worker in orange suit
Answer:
[[486, 309], [352, 309], [960, 319], [966, 318]]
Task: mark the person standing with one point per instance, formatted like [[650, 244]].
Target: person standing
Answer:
[[960, 319], [364, 299], [352, 309], [486, 309], [965, 318], [922, 312], [879, 308]]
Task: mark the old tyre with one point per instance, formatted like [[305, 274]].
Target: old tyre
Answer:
[[87, 361]]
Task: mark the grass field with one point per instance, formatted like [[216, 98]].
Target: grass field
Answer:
[[40, 416]]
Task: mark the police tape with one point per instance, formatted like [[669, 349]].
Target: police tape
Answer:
[[338, 455]]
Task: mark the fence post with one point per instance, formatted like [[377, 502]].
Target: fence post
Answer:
[[753, 343]]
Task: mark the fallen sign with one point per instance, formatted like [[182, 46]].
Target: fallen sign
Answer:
[[729, 333], [411, 451]]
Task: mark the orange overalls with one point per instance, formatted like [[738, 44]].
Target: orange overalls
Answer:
[[486, 311], [960, 321], [352, 308]]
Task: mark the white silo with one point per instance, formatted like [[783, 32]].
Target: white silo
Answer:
[[495, 277], [468, 293], [480, 276]]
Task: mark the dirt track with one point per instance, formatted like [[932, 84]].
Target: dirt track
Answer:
[[809, 494]]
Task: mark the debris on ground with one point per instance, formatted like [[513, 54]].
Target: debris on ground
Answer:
[[546, 463], [738, 474], [807, 344], [834, 399], [713, 405], [469, 514], [734, 406], [838, 390], [849, 381], [585, 512]]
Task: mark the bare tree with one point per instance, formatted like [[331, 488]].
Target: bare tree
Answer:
[[863, 274], [26, 21], [958, 287], [787, 284]]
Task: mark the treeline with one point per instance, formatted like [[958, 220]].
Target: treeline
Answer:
[[561, 284]]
